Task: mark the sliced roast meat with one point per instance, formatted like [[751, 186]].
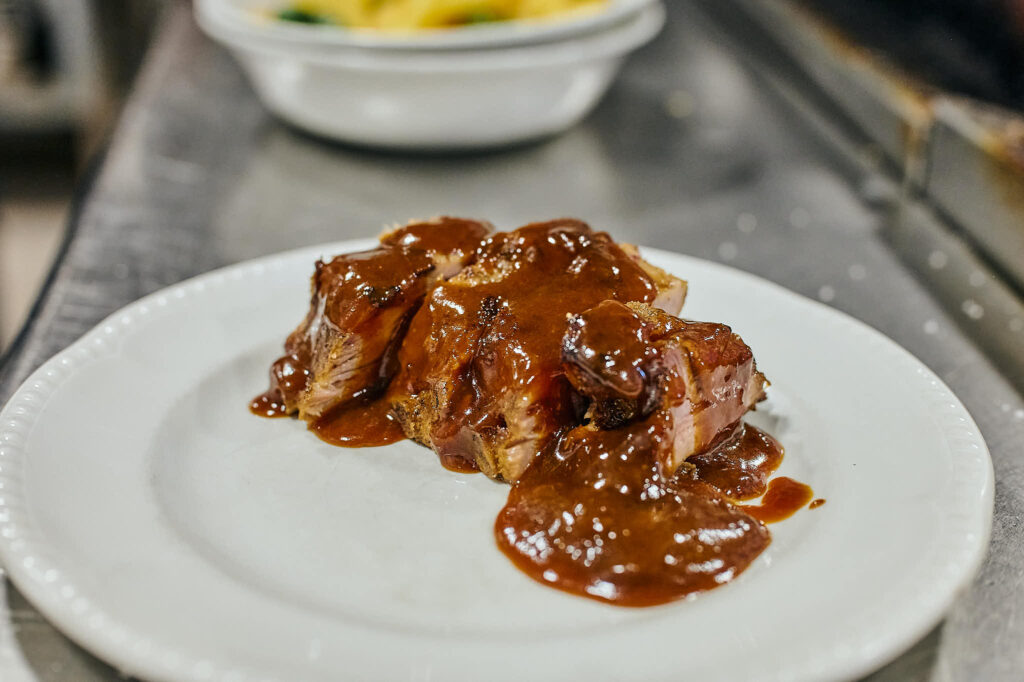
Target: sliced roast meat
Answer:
[[634, 360], [480, 377], [671, 289], [360, 306]]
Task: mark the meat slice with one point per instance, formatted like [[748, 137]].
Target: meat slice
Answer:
[[360, 306], [633, 361], [671, 289], [480, 378]]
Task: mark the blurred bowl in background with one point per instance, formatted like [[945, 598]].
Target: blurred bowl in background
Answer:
[[437, 99], [257, 18]]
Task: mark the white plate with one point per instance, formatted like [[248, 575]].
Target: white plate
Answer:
[[256, 19], [155, 521]]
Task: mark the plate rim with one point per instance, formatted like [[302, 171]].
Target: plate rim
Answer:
[[22, 551]]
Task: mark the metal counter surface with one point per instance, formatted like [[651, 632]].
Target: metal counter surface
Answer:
[[691, 151]]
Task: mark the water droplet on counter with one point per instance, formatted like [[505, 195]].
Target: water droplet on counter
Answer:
[[727, 250], [931, 327], [977, 278], [858, 271], [826, 293], [938, 259], [746, 222], [973, 309]]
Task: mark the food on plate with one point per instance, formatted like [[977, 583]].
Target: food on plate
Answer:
[[361, 304], [612, 512], [480, 378], [399, 15], [632, 360], [598, 516], [549, 357]]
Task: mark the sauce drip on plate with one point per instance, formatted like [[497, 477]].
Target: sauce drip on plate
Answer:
[[740, 466], [783, 499], [595, 517], [359, 424], [268, 404]]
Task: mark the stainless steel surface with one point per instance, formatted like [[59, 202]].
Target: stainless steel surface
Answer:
[[964, 157], [956, 178], [976, 175], [691, 151], [980, 302], [894, 111]]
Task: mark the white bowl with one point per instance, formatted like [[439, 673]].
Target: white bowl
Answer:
[[439, 99], [256, 18]]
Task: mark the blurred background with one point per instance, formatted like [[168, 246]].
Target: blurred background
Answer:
[[904, 72], [65, 68]]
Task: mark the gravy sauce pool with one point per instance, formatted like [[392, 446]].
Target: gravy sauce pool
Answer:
[[784, 498], [359, 424], [595, 518]]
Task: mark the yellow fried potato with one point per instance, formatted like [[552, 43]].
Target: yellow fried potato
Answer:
[[402, 15]]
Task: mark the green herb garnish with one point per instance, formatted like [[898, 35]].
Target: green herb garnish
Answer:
[[300, 16]]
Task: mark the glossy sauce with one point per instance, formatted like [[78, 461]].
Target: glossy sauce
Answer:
[[634, 360], [288, 377], [484, 350], [816, 503], [268, 404], [359, 425], [784, 498], [740, 466], [594, 517]]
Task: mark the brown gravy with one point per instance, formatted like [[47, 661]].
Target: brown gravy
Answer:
[[784, 498], [288, 376], [596, 518], [268, 404], [359, 425], [740, 466], [510, 343]]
